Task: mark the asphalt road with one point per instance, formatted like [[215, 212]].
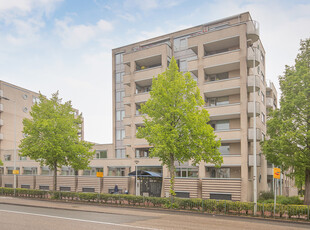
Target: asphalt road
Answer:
[[20, 217]]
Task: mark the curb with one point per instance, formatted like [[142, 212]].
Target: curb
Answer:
[[179, 212]]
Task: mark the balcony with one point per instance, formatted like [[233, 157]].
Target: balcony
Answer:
[[1, 108], [223, 112], [270, 171], [147, 73], [253, 56], [1, 122], [1, 93], [1, 136], [127, 100], [269, 103], [127, 120], [253, 79], [253, 31], [251, 108], [221, 88], [251, 160], [126, 80], [251, 134], [142, 97], [229, 136]]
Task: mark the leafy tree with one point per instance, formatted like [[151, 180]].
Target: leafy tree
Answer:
[[289, 126], [52, 136], [1, 163], [176, 125]]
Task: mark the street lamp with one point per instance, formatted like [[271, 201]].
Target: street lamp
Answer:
[[136, 162], [254, 135], [5, 98]]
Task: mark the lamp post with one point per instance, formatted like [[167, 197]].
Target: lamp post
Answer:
[[5, 98], [136, 162], [254, 136]]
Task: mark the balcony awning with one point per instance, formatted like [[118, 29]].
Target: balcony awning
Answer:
[[141, 173]]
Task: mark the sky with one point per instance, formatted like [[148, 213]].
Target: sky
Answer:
[[66, 45]]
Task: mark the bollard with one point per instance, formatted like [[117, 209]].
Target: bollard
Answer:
[[263, 210]]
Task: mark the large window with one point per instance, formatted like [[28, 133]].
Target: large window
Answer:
[[93, 171], [220, 125], [143, 152], [120, 153], [186, 172], [119, 96], [30, 170], [7, 157], [263, 118], [225, 172], [218, 101], [120, 134], [118, 171], [101, 154], [118, 58], [224, 149], [138, 107], [67, 171], [217, 77], [119, 77], [120, 114], [46, 171]]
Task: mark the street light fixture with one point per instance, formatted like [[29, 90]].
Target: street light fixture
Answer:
[[5, 98], [136, 162]]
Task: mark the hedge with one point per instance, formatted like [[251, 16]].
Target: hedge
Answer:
[[198, 205]]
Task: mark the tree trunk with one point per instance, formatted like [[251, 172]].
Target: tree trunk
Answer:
[[307, 187], [172, 176], [55, 177]]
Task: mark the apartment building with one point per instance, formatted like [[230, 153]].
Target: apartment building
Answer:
[[227, 59]]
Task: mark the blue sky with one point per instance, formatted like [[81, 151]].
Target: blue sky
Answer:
[[65, 45]]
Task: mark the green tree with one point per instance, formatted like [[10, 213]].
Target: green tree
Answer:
[[289, 126], [52, 136], [176, 125], [1, 163]]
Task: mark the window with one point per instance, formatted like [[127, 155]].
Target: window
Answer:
[[183, 65], [92, 171], [119, 77], [7, 157], [46, 171], [217, 101], [138, 107], [120, 153], [10, 170], [220, 125], [186, 172], [120, 115], [119, 58], [67, 171], [180, 43], [101, 154], [29, 171], [22, 158], [217, 77], [263, 97], [118, 171], [263, 118], [142, 152], [224, 149], [119, 96], [120, 134], [220, 172]]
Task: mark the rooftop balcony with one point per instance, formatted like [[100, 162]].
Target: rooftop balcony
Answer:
[[253, 56], [251, 108], [223, 112], [254, 79], [221, 88], [251, 134], [253, 31]]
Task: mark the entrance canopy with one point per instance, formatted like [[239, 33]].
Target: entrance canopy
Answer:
[[141, 173]]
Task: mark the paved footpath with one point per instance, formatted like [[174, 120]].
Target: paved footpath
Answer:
[[19, 213]]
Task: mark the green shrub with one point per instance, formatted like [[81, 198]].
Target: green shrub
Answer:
[[265, 196]]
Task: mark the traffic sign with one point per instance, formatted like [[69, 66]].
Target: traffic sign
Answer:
[[276, 173], [99, 174], [15, 171]]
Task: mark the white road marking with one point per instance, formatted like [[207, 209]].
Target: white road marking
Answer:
[[81, 220]]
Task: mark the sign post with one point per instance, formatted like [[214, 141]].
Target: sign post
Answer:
[[276, 175], [99, 175]]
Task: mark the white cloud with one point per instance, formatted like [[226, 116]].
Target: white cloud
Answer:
[[27, 5], [73, 36]]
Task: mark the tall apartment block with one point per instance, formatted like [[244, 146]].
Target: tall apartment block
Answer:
[[227, 59]]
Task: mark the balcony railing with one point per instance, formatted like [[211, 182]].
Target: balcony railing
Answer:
[[253, 30], [1, 108], [253, 79], [251, 108], [253, 56], [251, 134]]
